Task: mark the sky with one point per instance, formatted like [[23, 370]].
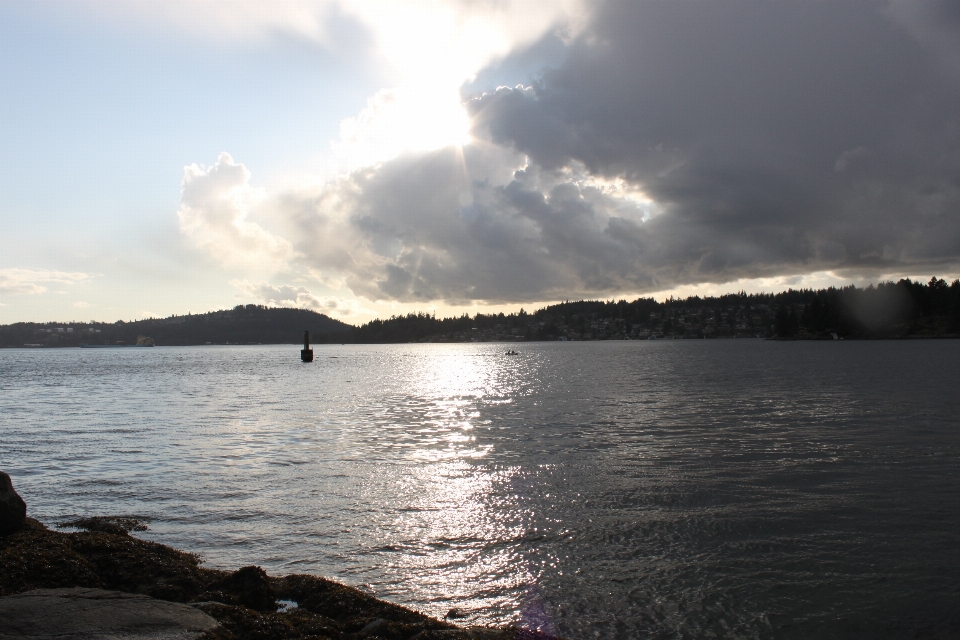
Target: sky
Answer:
[[370, 158]]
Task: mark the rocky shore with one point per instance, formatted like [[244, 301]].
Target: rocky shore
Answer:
[[102, 571]]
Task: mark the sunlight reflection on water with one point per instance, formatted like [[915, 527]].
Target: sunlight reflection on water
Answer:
[[613, 490]]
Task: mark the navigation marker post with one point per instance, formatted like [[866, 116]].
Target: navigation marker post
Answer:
[[306, 354]]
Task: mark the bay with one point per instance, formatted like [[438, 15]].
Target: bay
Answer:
[[658, 489]]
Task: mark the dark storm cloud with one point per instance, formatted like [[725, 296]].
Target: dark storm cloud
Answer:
[[673, 143], [777, 137]]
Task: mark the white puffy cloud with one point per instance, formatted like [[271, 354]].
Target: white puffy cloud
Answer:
[[214, 208], [15, 281]]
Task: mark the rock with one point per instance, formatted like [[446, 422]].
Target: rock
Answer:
[[248, 586], [117, 525], [374, 627], [13, 510], [93, 614]]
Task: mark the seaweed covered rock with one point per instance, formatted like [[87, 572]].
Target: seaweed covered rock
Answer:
[[13, 510], [38, 558], [244, 602], [248, 587], [351, 608], [119, 525], [241, 623]]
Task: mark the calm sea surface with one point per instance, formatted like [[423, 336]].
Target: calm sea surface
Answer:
[[672, 489]]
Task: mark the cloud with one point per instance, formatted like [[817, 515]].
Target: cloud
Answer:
[[297, 297], [420, 51], [431, 49], [499, 23], [401, 120], [32, 281], [847, 157], [473, 224], [223, 19], [934, 23], [774, 138], [675, 144], [214, 207]]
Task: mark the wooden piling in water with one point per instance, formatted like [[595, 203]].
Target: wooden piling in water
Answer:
[[306, 354]]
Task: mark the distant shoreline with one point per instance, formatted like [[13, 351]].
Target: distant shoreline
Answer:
[[664, 339], [901, 310]]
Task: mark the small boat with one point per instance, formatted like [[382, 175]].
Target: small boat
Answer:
[[512, 353]]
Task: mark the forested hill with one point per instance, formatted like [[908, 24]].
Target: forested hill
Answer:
[[250, 324], [904, 309]]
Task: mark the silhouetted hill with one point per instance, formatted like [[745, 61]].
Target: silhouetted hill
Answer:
[[243, 324]]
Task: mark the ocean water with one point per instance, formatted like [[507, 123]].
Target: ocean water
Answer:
[[671, 489]]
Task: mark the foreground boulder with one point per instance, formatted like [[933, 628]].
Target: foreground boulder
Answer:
[[93, 614], [13, 510]]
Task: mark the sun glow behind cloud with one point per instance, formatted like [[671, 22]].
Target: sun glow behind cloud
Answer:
[[432, 49], [426, 49], [401, 120]]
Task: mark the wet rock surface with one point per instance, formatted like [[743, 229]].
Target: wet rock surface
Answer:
[[13, 510], [92, 614], [244, 602]]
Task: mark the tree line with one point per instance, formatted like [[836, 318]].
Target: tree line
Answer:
[[888, 310]]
